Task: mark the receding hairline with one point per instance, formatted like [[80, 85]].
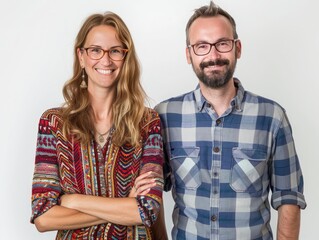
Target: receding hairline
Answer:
[[223, 18], [211, 10]]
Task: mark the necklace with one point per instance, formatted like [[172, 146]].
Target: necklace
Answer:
[[101, 135]]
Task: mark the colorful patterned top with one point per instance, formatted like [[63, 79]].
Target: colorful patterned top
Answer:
[[64, 165]]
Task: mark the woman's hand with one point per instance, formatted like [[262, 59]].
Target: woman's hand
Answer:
[[143, 184]]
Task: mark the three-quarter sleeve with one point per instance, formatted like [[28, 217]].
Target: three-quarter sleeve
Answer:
[[152, 160], [167, 171], [46, 185]]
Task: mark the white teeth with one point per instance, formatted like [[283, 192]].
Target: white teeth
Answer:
[[104, 71]]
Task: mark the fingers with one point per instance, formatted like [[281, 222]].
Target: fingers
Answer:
[[142, 190], [144, 182], [145, 188], [145, 176]]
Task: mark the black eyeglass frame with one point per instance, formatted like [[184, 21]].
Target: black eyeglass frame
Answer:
[[106, 51], [233, 41]]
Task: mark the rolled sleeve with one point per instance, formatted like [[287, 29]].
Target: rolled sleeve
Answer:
[[149, 209], [42, 204], [149, 205], [285, 197], [287, 178], [161, 108], [152, 160]]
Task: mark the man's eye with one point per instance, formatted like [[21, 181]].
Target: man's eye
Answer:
[[202, 46], [223, 43]]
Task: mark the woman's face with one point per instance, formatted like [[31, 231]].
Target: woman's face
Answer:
[[102, 73]]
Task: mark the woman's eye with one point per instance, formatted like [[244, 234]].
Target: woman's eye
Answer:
[[96, 50], [115, 51]]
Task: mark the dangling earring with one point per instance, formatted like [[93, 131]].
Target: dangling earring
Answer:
[[83, 83]]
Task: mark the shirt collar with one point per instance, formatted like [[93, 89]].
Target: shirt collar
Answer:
[[239, 98], [199, 99], [236, 102]]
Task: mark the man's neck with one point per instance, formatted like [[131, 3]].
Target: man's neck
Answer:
[[219, 98]]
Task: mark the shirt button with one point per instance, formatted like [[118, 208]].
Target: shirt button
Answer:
[[213, 218], [215, 191], [218, 121], [215, 174], [216, 149]]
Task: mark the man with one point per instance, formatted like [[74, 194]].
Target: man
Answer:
[[226, 147]]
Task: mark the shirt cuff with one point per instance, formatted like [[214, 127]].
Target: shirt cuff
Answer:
[[288, 197], [41, 205], [148, 209]]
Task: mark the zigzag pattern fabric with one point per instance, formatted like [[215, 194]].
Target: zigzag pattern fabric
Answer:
[[64, 165]]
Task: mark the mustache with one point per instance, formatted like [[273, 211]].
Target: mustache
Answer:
[[218, 62]]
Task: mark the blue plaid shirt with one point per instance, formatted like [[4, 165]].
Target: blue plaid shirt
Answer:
[[221, 168]]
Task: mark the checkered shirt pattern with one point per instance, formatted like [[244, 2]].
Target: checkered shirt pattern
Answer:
[[221, 168]]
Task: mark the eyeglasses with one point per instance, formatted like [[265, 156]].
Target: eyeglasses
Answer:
[[115, 53], [223, 46]]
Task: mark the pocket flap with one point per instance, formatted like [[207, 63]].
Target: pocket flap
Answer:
[[250, 154], [192, 152]]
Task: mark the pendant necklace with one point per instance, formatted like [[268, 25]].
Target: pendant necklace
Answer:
[[101, 135]]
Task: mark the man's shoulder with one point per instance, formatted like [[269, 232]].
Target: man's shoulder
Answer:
[[189, 96], [175, 103], [263, 106], [251, 97]]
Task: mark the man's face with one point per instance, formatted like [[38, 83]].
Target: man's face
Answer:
[[214, 69]]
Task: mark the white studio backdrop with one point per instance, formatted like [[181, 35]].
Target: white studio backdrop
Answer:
[[279, 61]]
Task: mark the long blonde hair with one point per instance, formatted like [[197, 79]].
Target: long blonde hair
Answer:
[[128, 108]]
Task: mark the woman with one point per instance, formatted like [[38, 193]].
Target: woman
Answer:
[[92, 150]]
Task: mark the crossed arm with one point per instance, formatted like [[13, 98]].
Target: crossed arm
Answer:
[[58, 218], [77, 210]]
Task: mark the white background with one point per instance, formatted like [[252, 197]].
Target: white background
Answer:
[[279, 60]]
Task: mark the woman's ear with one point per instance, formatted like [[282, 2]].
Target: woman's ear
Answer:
[[80, 56]]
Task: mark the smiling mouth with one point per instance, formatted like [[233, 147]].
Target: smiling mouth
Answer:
[[213, 69], [104, 71], [214, 66]]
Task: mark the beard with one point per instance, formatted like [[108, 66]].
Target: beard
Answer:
[[215, 78]]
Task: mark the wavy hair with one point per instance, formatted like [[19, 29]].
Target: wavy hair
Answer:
[[128, 107]]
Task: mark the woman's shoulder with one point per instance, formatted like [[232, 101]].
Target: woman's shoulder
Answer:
[[151, 112], [52, 113], [52, 118], [150, 117]]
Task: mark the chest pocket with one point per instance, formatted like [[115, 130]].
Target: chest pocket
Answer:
[[249, 166], [184, 163]]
